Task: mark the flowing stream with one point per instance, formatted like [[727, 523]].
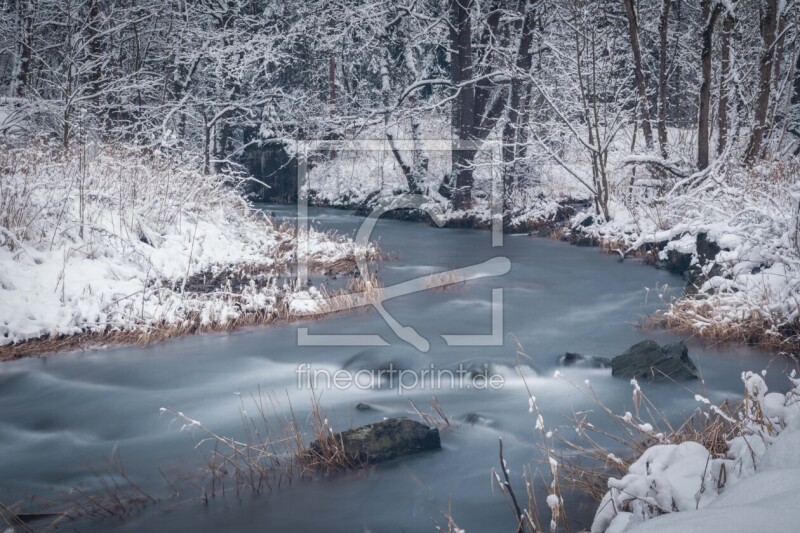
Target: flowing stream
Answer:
[[62, 416]]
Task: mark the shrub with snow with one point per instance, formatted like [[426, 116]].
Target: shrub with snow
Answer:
[[114, 239], [711, 492]]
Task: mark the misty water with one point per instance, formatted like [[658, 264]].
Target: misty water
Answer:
[[62, 416]]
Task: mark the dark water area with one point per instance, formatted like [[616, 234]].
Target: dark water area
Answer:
[[62, 416]]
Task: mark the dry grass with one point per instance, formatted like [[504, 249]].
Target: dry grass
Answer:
[[272, 451], [112, 494], [360, 292], [435, 418], [528, 513], [450, 525], [441, 281], [584, 461], [193, 324], [13, 519], [142, 335], [587, 463], [121, 197], [687, 315]]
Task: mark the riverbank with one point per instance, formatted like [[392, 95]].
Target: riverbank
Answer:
[[557, 298], [736, 245], [119, 246]]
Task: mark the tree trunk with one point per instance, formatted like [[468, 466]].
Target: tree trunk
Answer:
[[511, 128], [662, 77], [484, 86], [419, 159], [332, 84], [25, 20], [794, 104], [94, 48], [724, 82], [796, 92], [231, 85], [641, 87], [769, 19], [463, 111], [709, 16]]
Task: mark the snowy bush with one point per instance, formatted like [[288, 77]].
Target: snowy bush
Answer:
[[671, 478], [114, 239], [751, 289]]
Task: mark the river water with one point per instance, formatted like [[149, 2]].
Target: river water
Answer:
[[62, 416]]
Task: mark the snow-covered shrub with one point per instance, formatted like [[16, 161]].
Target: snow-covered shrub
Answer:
[[117, 239], [750, 290], [688, 476]]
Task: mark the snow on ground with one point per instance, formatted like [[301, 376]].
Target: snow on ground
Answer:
[[106, 246], [682, 488]]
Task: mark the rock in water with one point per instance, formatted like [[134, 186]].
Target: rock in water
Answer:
[[647, 359], [584, 361], [386, 440]]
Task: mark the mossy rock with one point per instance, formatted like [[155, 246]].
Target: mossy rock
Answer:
[[385, 440], [583, 361], [649, 360]]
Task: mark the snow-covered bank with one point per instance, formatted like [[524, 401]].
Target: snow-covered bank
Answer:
[[683, 487], [734, 237], [744, 276], [115, 240]]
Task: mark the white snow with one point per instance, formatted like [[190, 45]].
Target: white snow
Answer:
[[107, 246], [683, 488]]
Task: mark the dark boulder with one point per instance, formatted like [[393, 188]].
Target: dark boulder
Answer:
[[385, 440], [584, 361], [707, 249], [472, 418], [690, 265], [649, 360], [678, 262], [479, 369]]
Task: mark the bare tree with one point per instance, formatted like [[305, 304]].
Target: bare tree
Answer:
[[768, 26], [663, 51], [463, 113], [710, 11], [638, 71], [511, 129], [723, 122]]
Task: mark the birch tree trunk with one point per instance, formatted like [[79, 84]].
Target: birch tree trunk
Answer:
[[724, 82]]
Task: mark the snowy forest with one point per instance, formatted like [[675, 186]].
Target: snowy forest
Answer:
[[157, 159], [671, 118]]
